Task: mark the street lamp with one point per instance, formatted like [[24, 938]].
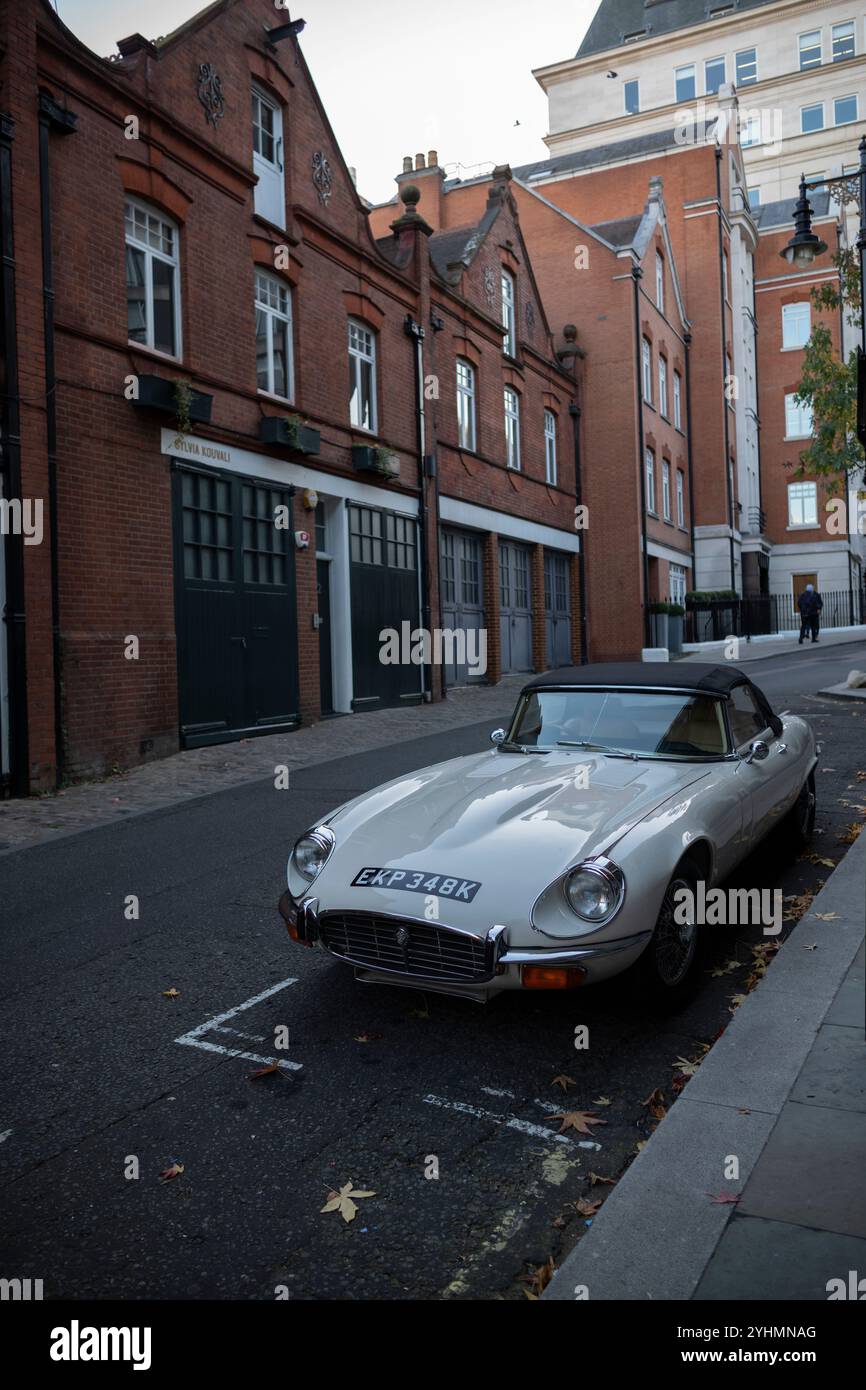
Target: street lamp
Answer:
[[804, 245]]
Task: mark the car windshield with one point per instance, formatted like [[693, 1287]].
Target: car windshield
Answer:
[[626, 722]]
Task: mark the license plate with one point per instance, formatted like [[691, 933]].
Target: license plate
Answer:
[[462, 890]]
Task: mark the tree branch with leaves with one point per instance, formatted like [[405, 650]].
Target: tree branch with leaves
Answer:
[[829, 384]]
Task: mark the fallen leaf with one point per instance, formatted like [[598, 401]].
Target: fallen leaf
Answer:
[[539, 1278], [342, 1201], [558, 1222], [368, 1037], [579, 1120], [174, 1171], [723, 1199], [737, 1000], [171, 993], [826, 916], [725, 969], [264, 1071], [810, 948], [596, 1177], [533, 1297], [685, 1067], [423, 1012], [585, 1207], [678, 1083], [563, 1081], [656, 1103], [603, 1100]]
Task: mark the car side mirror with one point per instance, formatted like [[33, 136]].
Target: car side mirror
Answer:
[[757, 752], [498, 736]]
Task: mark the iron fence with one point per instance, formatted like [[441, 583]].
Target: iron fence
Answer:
[[713, 620]]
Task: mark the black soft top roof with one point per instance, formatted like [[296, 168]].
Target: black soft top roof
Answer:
[[679, 675]]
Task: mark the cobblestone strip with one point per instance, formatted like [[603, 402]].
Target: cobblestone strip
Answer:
[[201, 771]]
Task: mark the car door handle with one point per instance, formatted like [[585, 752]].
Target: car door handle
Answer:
[[782, 748]]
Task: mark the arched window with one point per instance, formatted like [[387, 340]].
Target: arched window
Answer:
[[152, 278]]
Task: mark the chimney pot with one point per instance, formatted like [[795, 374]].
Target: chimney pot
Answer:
[[419, 161], [407, 164], [432, 159]]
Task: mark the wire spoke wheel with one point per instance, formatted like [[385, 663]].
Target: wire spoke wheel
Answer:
[[675, 941]]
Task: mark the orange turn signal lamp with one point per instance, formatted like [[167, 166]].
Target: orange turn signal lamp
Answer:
[[552, 976]]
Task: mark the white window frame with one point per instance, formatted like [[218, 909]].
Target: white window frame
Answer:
[[849, 96], [265, 305], [660, 282], [719, 58], [750, 132], [465, 391], [151, 253], [802, 500], [681, 498], [550, 447], [685, 68], [511, 401], [362, 348], [813, 106], [650, 470], [269, 193], [754, 196], [851, 26], [799, 420], [509, 313], [808, 34], [666, 490], [678, 401], [794, 315], [677, 584], [630, 82], [663, 386], [748, 82], [646, 357]]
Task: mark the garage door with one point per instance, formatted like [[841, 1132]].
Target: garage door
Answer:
[[557, 609], [462, 609], [383, 564], [515, 612], [235, 607]]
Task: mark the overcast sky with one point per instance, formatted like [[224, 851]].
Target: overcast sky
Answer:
[[398, 76]]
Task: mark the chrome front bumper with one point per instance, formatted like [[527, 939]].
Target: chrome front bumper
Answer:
[[303, 918]]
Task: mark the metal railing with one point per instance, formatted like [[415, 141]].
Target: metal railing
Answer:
[[713, 620]]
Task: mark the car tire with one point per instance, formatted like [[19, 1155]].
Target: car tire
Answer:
[[800, 820], [667, 973]]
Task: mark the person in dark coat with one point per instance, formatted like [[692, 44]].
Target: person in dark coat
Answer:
[[810, 604]]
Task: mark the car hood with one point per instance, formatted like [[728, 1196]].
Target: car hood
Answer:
[[512, 822]]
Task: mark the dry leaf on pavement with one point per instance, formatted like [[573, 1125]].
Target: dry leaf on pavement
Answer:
[[171, 993], [563, 1081], [173, 1171], [269, 1070], [342, 1201], [579, 1120]]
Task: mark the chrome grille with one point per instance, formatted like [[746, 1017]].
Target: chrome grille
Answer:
[[430, 952]]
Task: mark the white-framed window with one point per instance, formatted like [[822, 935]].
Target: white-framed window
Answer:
[[269, 197], [798, 419], [550, 446], [750, 131], [747, 67], [843, 40], [274, 354], [650, 481], [681, 498], [663, 386], [802, 504], [465, 404], [666, 490], [754, 198], [796, 324], [714, 74], [660, 281], [678, 401], [812, 118], [362, 376], [845, 110], [677, 583], [684, 81], [152, 279], [646, 357], [512, 427], [810, 49], [509, 315], [631, 97]]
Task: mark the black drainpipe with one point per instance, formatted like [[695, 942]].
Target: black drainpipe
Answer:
[[728, 486], [13, 617], [52, 117], [574, 412], [636, 274], [416, 333], [690, 464]]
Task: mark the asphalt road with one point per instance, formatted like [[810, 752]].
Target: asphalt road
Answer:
[[95, 1081]]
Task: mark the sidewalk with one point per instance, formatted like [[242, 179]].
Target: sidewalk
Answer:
[[784, 1092], [774, 645], [202, 771]]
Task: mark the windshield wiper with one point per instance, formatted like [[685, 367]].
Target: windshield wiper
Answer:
[[598, 748], [520, 748]]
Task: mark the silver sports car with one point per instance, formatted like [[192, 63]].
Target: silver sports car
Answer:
[[564, 855]]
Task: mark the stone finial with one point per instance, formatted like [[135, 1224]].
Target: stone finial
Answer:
[[410, 195]]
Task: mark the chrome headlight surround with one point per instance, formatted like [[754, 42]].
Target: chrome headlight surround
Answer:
[[316, 847], [606, 879]]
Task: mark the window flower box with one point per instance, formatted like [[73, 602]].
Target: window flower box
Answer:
[[289, 433], [370, 458], [173, 397]]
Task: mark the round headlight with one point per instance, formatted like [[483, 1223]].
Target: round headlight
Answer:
[[595, 890], [312, 851]]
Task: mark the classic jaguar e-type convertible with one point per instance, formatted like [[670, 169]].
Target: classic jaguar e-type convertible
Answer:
[[557, 858]]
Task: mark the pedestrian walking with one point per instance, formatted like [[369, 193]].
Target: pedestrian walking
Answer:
[[810, 604]]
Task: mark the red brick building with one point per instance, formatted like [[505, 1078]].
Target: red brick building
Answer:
[[251, 423]]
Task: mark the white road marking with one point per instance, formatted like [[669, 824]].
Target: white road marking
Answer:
[[509, 1121], [5, 1135], [194, 1037], [250, 1037], [494, 1091]]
